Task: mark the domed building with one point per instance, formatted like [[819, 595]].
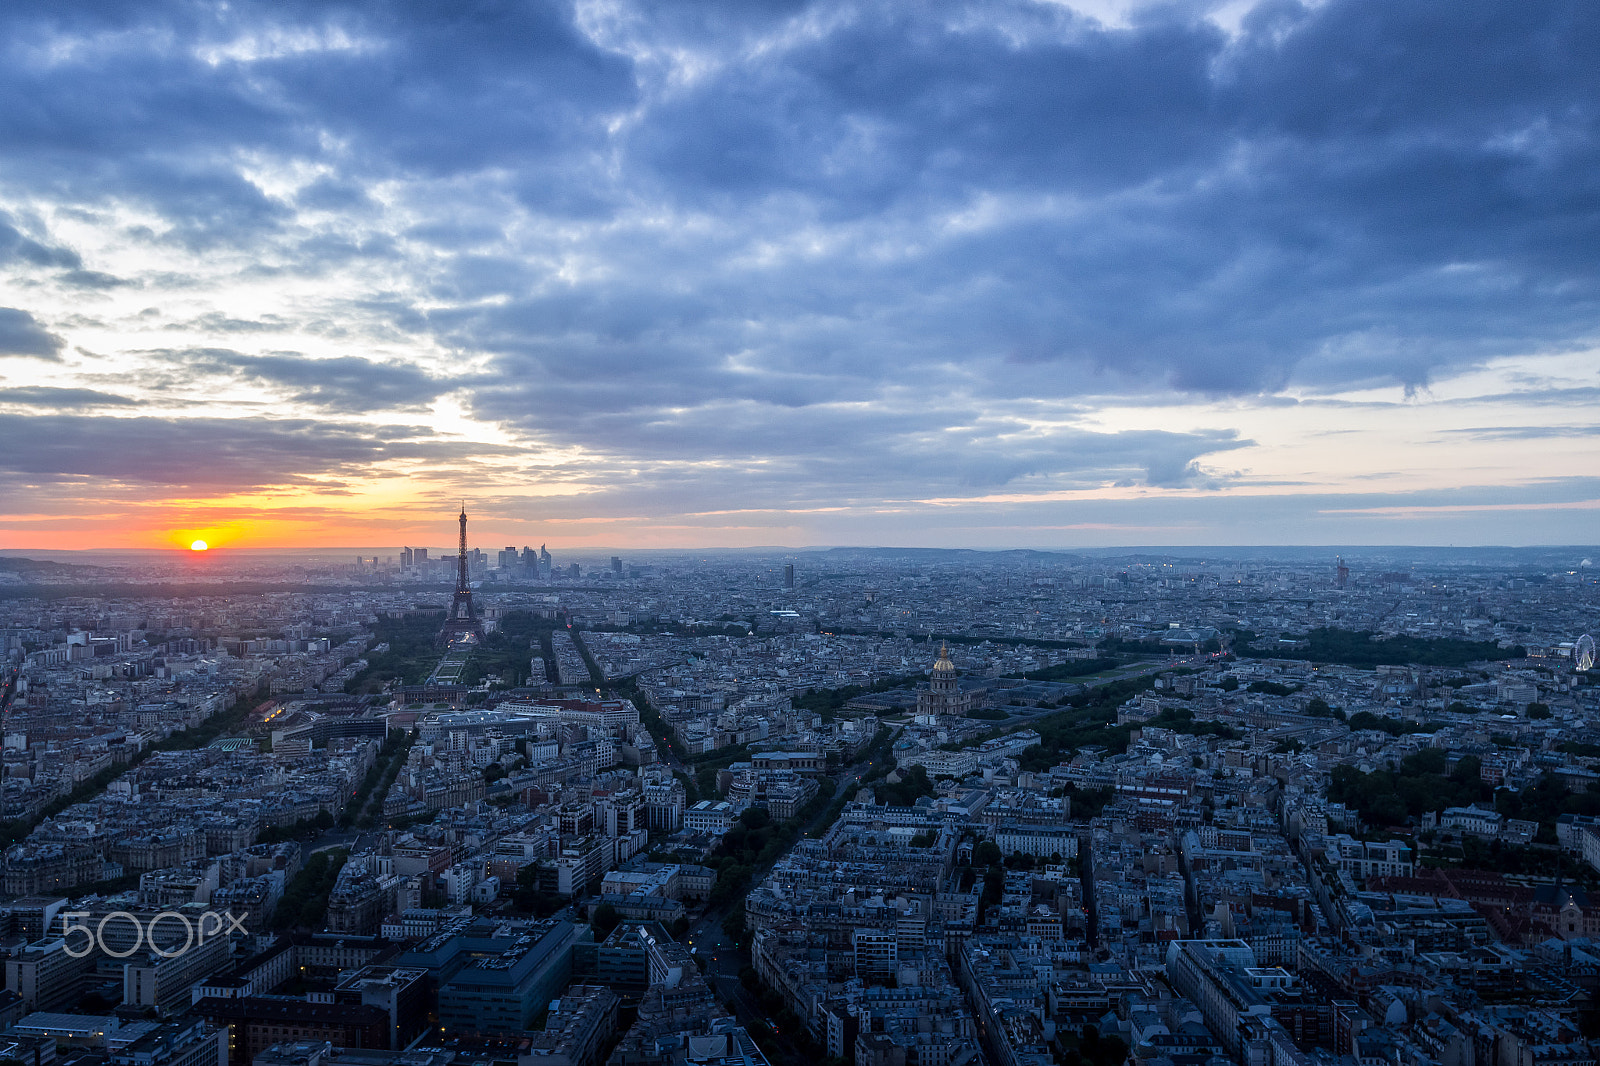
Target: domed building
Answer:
[[944, 695]]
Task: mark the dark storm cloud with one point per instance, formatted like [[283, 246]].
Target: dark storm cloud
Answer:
[[46, 396], [160, 98], [911, 100], [92, 279], [345, 383], [329, 194], [17, 248], [1474, 514], [848, 241], [1545, 397], [1237, 230], [1362, 192], [817, 453], [215, 454], [1526, 432], [217, 322], [21, 334]]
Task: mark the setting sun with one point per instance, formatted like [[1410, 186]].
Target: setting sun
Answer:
[[199, 546]]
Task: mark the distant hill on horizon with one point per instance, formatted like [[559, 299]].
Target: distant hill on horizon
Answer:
[[39, 561]]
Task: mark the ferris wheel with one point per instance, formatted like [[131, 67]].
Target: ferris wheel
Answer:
[[1583, 654]]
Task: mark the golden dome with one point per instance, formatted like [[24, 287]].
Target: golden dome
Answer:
[[943, 665]]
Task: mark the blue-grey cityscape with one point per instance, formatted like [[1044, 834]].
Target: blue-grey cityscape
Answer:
[[879, 806], [799, 532]]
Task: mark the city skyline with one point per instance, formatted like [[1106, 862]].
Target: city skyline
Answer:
[[1047, 275]]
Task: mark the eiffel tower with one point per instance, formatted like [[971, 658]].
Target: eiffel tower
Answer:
[[462, 623]]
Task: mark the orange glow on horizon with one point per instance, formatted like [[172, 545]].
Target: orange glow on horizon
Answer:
[[206, 538], [371, 531], [372, 519], [233, 524]]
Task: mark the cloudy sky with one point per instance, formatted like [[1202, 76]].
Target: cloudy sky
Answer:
[[732, 272]]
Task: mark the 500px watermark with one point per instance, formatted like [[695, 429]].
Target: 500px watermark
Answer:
[[210, 924]]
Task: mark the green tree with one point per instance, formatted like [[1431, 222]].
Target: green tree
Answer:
[[1468, 771], [530, 897], [304, 903], [734, 924], [604, 919], [914, 783], [1387, 798], [1426, 761]]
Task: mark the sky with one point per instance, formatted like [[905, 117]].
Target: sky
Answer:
[[733, 272]]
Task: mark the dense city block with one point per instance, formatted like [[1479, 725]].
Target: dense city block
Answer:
[[868, 807]]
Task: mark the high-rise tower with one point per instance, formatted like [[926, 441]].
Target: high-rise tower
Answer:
[[461, 606], [462, 621]]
